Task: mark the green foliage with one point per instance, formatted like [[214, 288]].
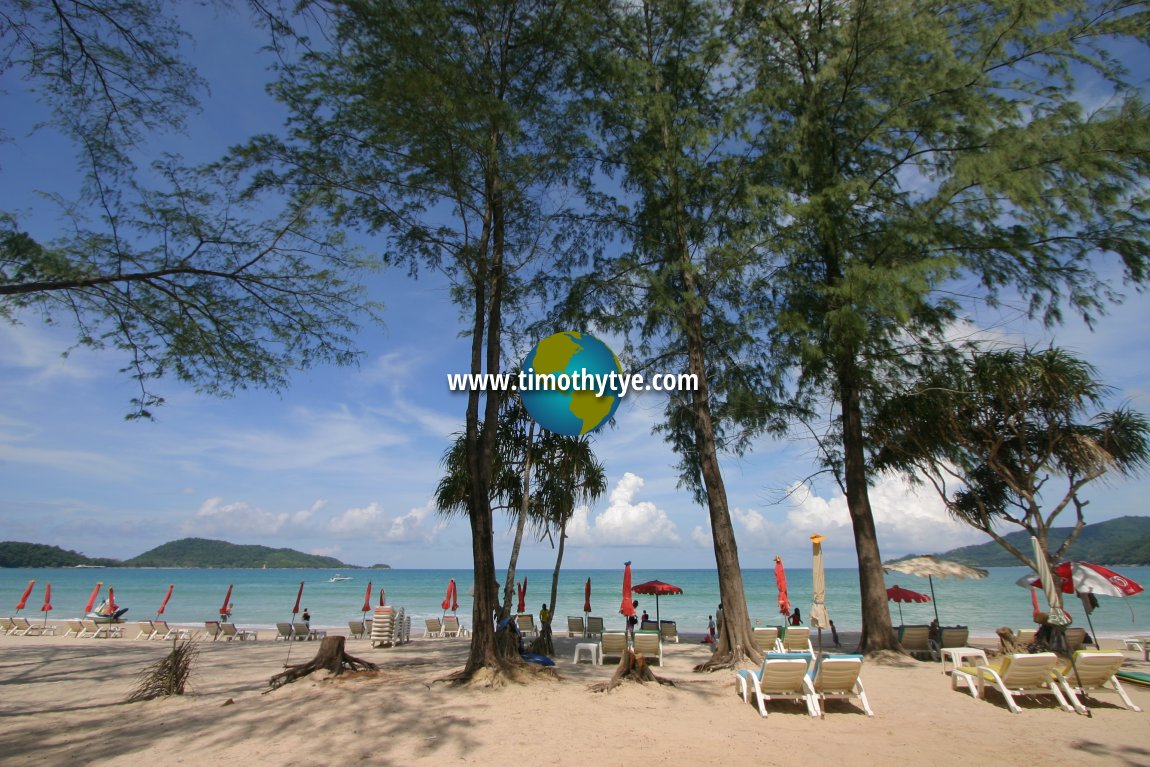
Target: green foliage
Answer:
[[17, 554], [185, 280], [1001, 425], [202, 552], [1121, 541]]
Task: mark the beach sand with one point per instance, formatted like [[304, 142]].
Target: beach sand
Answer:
[[62, 704]]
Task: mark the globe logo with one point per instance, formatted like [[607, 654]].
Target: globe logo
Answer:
[[570, 383]]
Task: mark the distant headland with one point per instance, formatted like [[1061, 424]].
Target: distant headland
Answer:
[[186, 552]]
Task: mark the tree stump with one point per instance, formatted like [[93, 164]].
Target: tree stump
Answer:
[[634, 667], [330, 657]]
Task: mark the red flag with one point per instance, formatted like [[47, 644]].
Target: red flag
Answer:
[[166, 598], [224, 609], [92, 599], [24, 599], [298, 597], [367, 598], [47, 599], [626, 609]]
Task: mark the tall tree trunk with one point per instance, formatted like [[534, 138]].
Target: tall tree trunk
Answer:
[[520, 524], [877, 632]]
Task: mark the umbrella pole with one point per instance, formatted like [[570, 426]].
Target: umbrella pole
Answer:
[[900, 618], [1093, 634]]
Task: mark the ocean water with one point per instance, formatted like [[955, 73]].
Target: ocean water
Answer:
[[265, 597]]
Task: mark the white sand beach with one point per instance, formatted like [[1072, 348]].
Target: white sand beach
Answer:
[[62, 704]]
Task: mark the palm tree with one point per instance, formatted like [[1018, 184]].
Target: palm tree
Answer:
[[998, 426], [567, 474]]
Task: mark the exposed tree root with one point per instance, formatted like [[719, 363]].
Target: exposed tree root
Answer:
[[631, 667], [330, 657], [724, 657]]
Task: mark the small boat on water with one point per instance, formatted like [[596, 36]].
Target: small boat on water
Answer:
[[106, 617], [337, 578]]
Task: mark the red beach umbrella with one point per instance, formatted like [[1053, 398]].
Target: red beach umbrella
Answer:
[[587, 597], [899, 594], [781, 582], [92, 599], [164, 604], [24, 598], [626, 609], [47, 600], [658, 588], [451, 598], [112, 606], [523, 595], [224, 609], [298, 597], [1088, 578], [382, 596], [367, 599]]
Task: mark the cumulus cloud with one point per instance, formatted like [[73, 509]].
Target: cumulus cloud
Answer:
[[367, 522], [216, 517], [908, 519], [625, 521], [416, 525]]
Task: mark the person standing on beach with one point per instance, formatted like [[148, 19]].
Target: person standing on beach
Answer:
[[719, 619], [306, 617], [835, 635], [544, 614], [796, 619], [710, 629]]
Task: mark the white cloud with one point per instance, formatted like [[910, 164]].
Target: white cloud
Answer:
[[625, 522], [413, 526], [215, 517], [366, 522], [907, 519]]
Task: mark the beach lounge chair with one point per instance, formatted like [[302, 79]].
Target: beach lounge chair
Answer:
[[356, 629], [90, 629], [75, 628], [283, 631], [612, 644], [837, 678], [213, 629], [1089, 675], [22, 627], [782, 676], [648, 626], [146, 630], [98, 630], [594, 626], [434, 628], [766, 638], [303, 631], [164, 631], [1075, 638], [526, 624], [1013, 675], [669, 631], [916, 641], [648, 644], [230, 631], [575, 626], [796, 639], [1138, 644], [950, 636], [6, 626], [452, 627]]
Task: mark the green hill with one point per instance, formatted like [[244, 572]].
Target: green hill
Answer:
[[202, 552], [1121, 541], [20, 554]]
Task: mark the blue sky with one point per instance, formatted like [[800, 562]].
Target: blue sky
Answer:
[[345, 462]]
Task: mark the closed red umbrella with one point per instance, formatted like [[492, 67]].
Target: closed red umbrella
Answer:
[[382, 596], [112, 606], [658, 589], [451, 597], [24, 598], [522, 586], [899, 594], [224, 608], [92, 599], [367, 599], [47, 601], [587, 597], [626, 609], [164, 604], [781, 583]]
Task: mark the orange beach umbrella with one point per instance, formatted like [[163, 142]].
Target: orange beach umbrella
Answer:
[[92, 599], [164, 604], [298, 597], [24, 598], [47, 600], [224, 609], [112, 606], [626, 609]]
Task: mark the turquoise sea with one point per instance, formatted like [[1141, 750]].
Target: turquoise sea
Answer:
[[265, 597]]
